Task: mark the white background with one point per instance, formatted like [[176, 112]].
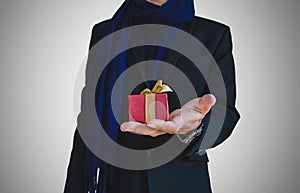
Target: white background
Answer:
[[43, 43]]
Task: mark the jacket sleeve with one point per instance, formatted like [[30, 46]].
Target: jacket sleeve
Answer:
[[224, 59], [76, 180]]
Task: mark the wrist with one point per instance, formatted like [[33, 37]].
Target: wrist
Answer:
[[188, 137]]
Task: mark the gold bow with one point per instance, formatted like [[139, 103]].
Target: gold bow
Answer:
[[159, 87]]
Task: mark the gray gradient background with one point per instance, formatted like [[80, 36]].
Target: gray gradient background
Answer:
[[43, 44]]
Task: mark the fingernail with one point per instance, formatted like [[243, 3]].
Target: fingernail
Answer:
[[123, 128]]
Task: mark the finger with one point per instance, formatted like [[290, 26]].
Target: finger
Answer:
[[131, 125], [137, 128], [206, 102], [166, 126], [174, 114]]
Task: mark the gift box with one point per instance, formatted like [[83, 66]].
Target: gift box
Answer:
[[150, 104]]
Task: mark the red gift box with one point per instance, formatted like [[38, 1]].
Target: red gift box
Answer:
[[143, 108], [150, 104]]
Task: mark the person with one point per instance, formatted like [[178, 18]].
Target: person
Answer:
[[187, 172]]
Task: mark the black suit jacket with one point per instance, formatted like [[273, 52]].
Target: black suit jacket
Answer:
[[188, 172]]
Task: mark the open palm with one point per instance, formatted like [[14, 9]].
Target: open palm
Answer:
[[181, 121]]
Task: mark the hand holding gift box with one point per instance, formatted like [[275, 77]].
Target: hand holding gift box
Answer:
[[181, 121], [150, 104]]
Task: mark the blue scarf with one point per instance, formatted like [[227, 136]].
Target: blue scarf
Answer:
[[132, 12]]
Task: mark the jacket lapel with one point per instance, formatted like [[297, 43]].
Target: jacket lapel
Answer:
[[138, 55], [173, 57]]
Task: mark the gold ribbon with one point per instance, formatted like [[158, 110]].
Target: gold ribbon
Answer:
[[159, 87], [149, 107]]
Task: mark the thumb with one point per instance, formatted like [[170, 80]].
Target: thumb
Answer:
[[206, 102]]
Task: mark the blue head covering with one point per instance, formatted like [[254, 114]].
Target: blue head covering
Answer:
[[132, 12]]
